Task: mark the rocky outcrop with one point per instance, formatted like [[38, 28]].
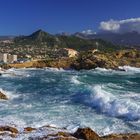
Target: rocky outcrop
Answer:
[[29, 129], [89, 60], [122, 137], [57, 136], [8, 131], [8, 128], [52, 133], [54, 63], [86, 134], [3, 96]]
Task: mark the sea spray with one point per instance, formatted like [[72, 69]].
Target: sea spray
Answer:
[[101, 99]]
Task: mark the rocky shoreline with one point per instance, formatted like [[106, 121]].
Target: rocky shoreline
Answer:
[[87, 60], [11, 132], [53, 133]]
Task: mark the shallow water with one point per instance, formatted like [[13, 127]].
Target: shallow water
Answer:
[[107, 101]]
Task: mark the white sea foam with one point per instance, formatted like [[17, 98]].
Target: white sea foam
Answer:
[[107, 103], [74, 79], [126, 68], [114, 86], [9, 94], [54, 69], [16, 73], [102, 69], [130, 69], [106, 107]]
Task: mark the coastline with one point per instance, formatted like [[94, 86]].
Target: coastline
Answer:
[[53, 133], [86, 61], [46, 132]]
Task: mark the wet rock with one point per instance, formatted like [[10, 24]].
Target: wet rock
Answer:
[[29, 129], [86, 134], [3, 96], [121, 137], [12, 135], [9, 129], [58, 136]]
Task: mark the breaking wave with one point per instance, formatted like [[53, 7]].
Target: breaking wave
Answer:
[[74, 79], [54, 69], [9, 94], [130, 69], [109, 104]]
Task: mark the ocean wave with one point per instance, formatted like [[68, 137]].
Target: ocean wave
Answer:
[[130, 69], [74, 79], [124, 70], [13, 72], [54, 69], [103, 69], [107, 103]]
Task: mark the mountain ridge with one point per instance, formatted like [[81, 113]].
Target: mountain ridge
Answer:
[[42, 38], [127, 39]]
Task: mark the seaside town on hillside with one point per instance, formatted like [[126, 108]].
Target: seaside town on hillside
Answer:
[[34, 54]]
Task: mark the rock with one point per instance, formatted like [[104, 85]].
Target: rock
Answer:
[[58, 136], [29, 129], [3, 96], [121, 137], [9, 129], [13, 135], [86, 134], [63, 136]]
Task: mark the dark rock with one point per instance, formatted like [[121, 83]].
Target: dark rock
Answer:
[[9, 129], [86, 134], [121, 137], [13, 135], [29, 129], [3, 96], [58, 136]]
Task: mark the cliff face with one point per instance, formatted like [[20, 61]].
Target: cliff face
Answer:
[[55, 63], [89, 60]]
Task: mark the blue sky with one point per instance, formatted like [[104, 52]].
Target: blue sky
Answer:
[[25, 16]]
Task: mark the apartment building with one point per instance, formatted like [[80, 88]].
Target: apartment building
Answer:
[[8, 58]]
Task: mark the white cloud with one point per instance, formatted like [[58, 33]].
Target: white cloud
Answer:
[[121, 26], [88, 32]]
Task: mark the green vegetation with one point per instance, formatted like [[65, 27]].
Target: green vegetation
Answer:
[[44, 39]]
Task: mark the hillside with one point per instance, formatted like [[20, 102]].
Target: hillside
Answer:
[[127, 39], [44, 39]]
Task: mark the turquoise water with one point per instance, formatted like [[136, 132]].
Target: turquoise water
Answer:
[[107, 101]]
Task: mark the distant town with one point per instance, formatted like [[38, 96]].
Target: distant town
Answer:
[[10, 54]]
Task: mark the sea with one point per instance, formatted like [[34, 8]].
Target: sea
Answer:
[[108, 101]]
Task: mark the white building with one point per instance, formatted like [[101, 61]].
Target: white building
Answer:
[[3, 57], [11, 58], [67, 52], [8, 58]]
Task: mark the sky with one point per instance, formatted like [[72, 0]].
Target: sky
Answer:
[[22, 17]]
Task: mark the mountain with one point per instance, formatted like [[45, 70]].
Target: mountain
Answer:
[[128, 39], [36, 38], [43, 39]]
